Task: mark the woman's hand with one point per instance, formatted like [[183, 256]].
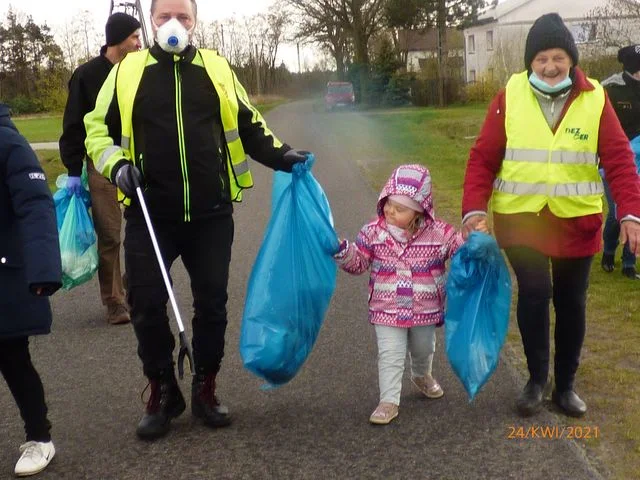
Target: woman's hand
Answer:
[[471, 224], [481, 226], [630, 232]]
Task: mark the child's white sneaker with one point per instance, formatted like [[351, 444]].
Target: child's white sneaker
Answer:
[[35, 458], [428, 385], [384, 413]]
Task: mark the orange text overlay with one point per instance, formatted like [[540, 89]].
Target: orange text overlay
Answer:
[[549, 432]]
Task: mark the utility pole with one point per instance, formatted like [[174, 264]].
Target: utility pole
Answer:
[[442, 38], [257, 72], [223, 51], [135, 10], [299, 69]]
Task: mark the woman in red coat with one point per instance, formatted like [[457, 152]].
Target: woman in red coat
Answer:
[[537, 160]]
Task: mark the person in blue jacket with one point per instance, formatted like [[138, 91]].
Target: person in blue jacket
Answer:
[[30, 271]]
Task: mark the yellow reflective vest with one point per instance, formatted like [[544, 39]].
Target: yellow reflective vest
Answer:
[[542, 168], [124, 80]]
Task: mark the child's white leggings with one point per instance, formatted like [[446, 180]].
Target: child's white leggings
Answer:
[[392, 351]]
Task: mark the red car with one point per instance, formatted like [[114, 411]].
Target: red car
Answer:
[[339, 94]]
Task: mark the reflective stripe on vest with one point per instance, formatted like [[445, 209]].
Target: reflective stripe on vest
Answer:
[[130, 72], [542, 168]]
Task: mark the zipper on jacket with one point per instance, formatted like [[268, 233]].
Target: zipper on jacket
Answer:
[[221, 174], [141, 163], [181, 142]]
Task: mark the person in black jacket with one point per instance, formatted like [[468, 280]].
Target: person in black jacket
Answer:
[[624, 92], [176, 119], [122, 36], [30, 270]]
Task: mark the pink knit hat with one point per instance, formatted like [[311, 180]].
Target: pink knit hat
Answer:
[[407, 202]]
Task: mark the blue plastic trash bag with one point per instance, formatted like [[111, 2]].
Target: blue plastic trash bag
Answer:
[[477, 315], [78, 242], [292, 280], [635, 146]]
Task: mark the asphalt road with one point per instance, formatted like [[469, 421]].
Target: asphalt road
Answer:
[[316, 426]]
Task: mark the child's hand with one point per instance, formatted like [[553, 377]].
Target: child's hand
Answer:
[[481, 226]]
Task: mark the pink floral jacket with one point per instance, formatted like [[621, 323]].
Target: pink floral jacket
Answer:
[[407, 282]]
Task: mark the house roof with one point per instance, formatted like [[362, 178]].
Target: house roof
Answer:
[[501, 9], [427, 40]]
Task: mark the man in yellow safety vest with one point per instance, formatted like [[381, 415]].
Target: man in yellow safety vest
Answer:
[[176, 119]]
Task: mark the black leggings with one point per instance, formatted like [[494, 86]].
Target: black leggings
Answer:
[[25, 385], [566, 284]]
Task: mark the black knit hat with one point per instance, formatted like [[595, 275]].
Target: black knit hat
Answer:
[[629, 57], [119, 27], [549, 31]]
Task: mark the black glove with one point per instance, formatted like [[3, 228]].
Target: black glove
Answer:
[[128, 177], [292, 157]]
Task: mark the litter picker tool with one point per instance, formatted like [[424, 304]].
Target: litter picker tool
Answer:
[[185, 346]]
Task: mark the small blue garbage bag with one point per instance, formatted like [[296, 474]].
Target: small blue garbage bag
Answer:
[[292, 280], [78, 242], [477, 315]]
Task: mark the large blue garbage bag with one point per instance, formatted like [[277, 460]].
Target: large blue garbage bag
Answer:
[[477, 315], [292, 280], [635, 146], [77, 237]]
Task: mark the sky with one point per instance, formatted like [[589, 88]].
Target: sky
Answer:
[[56, 13]]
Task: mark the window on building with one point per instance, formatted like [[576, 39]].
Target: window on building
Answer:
[[490, 40], [471, 44], [472, 76], [583, 32]]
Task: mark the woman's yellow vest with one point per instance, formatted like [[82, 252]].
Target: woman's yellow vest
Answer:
[[128, 75], [542, 168]]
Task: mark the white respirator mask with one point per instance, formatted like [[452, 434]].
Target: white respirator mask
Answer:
[[172, 36]]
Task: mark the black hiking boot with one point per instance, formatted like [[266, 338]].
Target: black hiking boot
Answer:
[[165, 403], [205, 404], [631, 272], [607, 263], [530, 400], [569, 402]]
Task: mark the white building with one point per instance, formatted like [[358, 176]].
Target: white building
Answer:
[[423, 45], [494, 45]]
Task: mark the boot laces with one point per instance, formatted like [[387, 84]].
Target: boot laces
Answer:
[[153, 403], [208, 392]]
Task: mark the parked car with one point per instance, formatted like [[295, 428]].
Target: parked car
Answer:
[[339, 95]]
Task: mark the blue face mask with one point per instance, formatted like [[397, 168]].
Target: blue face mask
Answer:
[[545, 87]]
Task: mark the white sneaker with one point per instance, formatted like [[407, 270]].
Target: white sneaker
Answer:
[[35, 458]]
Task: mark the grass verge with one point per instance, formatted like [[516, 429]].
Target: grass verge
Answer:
[[609, 375], [48, 128], [52, 166], [40, 128]]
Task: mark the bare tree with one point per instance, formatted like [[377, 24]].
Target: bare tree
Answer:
[[78, 39], [317, 24], [615, 24]]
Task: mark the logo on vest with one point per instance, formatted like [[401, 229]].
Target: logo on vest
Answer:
[[577, 134]]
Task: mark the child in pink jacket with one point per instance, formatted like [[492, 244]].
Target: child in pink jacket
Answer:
[[405, 247]]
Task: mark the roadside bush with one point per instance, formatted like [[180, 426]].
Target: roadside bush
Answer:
[[600, 67], [398, 91], [481, 91], [424, 91], [21, 104]]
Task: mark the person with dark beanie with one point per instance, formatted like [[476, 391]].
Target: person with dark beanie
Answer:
[[122, 36], [30, 271], [624, 91], [536, 160]]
